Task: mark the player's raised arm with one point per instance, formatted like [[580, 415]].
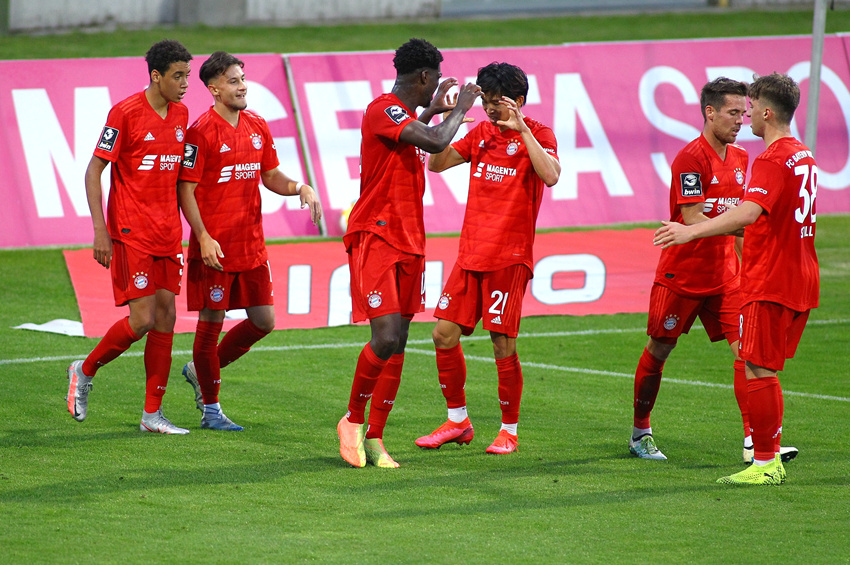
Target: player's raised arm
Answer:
[[434, 139]]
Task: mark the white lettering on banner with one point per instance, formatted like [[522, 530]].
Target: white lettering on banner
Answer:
[[544, 271], [335, 145], [572, 103], [265, 103], [299, 286], [44, 143], [649, 82], [433, 283], [828, 77], [339, 297]]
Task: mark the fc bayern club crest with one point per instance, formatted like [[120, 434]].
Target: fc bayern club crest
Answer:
[[443, 303], [374, 299], [140, 281], [513, 147], [179, 134], [257, 141], [739, 176], [671, 322], [216, 294]]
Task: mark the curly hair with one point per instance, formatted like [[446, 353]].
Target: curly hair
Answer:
[[416, 54], [714, 93], [216, 65], [503, 79], [160, 56], [781, 93]]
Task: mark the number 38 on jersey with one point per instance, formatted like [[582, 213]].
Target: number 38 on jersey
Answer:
[[805, 214]]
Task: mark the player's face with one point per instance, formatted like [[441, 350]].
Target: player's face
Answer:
[[175, 81], [230, 88], [757, 110], [432, 81], [494, 109], [728, 119]]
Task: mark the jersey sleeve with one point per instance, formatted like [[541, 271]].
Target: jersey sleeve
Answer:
[[765, 184], [194, 156], [546, 138], [464, 145], [689, 178], [388, 120], [113, 135]]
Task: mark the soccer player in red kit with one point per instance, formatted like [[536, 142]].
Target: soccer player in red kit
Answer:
[[700, 279], [228, 150], [141, 241], [512, 157], [385, 239], [779, 279]]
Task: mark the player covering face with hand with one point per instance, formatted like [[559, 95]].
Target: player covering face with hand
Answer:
[[229, 149], [512, 159]]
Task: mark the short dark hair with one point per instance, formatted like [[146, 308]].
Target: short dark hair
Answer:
[[415, 55], [503, 79], [216, 65], [781, 93], [714, 93], [160, 56]]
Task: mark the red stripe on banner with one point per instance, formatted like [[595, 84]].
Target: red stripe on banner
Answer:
[[579, 273]]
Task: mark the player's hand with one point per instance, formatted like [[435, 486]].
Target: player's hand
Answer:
[[516, 121], [102, 248], [672, 233], [308, 198], [443, 101], [468, 95], [210, 252]]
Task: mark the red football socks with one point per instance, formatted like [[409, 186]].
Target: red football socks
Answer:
[[647, 383], [117, 340], [740, 385], [765, 401], [384, 395], [207, 362], [157, 367], [238, 341], [369, 368], [451, 372], [510, 387]]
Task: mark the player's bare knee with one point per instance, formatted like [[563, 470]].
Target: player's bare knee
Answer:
[[384, 345]]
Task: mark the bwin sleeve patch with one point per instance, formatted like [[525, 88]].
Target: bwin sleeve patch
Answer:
[[691, 184]]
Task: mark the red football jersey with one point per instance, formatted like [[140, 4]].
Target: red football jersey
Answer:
[[707, 266], [504, 196], [145, 150], [779, 261], [392, 179], [226, 162]]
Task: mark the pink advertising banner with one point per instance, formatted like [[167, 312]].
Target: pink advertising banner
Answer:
[[576, 273], [52, 113], [620, 112]]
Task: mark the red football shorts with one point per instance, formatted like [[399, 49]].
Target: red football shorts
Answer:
[[671, 314], [770, 334], [136, 274], [215, 290], [384, 280], [496, 297]]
